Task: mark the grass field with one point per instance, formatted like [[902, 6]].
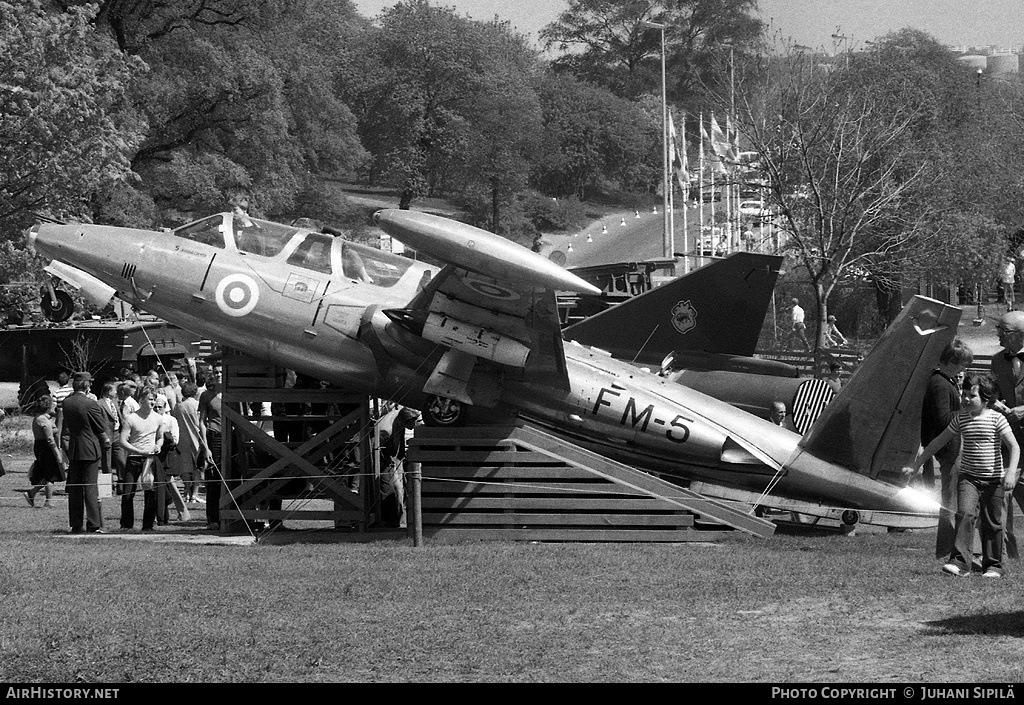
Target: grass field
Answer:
[[308, 607], [122, 608]]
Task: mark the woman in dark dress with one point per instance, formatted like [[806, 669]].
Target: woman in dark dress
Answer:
[[49, 466]]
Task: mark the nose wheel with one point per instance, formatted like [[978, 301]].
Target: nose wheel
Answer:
[[57, 305], [444, 412]]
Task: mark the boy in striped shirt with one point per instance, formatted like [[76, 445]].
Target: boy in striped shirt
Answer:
[[983, 480]]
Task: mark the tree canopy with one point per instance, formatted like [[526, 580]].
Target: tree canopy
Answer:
[[66, 129], [855, 152], [883, 163], [607, 43]]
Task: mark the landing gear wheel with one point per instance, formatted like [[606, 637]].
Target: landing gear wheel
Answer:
[[444, 412], [59, 308]]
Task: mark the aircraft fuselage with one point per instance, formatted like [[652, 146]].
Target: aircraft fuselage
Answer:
[[294, 310]]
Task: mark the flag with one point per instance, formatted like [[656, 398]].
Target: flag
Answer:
[[733, 136], [673, 153], [719, 142], [684, 163], [716, 163], [677, 154]]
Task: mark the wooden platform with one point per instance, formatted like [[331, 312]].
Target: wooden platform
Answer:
[[521, 483], [330, 458]]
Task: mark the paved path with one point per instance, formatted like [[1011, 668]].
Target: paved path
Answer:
[[626, 236]]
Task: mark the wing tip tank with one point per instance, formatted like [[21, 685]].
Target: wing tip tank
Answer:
[[477, 250]]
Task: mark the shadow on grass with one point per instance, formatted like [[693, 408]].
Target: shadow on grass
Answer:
[[997, 624], [808, 530]]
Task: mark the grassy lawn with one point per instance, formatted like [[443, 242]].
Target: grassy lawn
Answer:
[[828, 608]]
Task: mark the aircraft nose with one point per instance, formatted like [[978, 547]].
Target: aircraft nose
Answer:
[[30, 238]]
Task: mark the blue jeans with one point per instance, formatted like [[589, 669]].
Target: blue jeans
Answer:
[[984, 500]]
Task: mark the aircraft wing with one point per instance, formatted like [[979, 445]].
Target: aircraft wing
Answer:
[[492, 306]]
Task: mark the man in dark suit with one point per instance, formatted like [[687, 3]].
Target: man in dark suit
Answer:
[[1008, 369], [86, 443]]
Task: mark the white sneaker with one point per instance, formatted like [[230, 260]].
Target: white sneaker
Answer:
[[954, 569], [991, 573]]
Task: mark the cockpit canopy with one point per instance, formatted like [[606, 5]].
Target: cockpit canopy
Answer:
[[316, 251]]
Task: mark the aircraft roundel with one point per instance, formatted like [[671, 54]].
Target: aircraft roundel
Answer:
[[490, 289], [237, 294]]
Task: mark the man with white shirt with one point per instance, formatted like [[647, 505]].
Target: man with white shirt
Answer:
[[1007, 278], [799, 327]]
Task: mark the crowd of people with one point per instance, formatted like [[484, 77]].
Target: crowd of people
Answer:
[[159, 435], [153, 433]]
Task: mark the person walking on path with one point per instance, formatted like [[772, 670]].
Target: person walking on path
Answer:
[[799, 329]]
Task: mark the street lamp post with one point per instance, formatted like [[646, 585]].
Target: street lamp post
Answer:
[[668, 237], [980, 288], [732, 223]]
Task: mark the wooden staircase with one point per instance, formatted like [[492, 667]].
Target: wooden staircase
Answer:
[[521, 483]]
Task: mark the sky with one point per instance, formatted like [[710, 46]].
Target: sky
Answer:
[[808, 22]]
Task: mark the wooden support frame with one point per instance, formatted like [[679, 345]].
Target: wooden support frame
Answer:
[[261, 471], [522, 483]]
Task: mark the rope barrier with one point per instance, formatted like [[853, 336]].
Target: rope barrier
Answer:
[[604, 490]]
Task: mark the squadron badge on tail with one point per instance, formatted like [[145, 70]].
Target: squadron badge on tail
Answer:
[[684, 317]]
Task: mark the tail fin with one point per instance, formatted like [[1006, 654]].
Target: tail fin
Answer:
[[717, 309], [873, 426]]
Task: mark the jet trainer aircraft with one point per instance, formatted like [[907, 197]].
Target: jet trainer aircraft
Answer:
[[481, 337], [702, 329]]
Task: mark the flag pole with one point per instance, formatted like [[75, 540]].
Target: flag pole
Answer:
[[699, 244], [686, 194], [670, 185]]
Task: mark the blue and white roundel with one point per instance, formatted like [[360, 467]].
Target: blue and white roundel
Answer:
[[237, 294]]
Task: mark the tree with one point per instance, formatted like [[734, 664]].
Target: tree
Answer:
[[65, 130], [239, 98], [593, 139], [607, 43], [502, 133], [134, 24], [844, 167], [420, 70], [447, 105]]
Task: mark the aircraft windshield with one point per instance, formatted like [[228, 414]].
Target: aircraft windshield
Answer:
[[260, 237], [382, 268], [208, 231], [314, 253]]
